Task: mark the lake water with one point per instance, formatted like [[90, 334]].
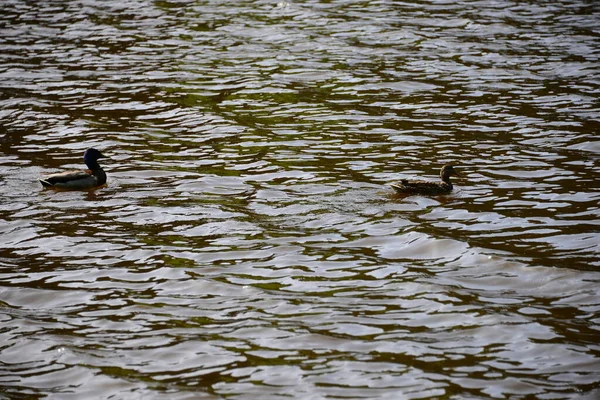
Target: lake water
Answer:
[[247, 245]]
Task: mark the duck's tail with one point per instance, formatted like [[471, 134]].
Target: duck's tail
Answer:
[[398, 187], [45, 183]]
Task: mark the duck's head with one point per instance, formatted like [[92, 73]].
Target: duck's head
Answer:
[[92, 155], [448, 171]]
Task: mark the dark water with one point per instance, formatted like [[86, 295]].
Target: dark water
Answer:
[[247, 246]]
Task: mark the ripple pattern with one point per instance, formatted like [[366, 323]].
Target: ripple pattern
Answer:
[[247, 246]]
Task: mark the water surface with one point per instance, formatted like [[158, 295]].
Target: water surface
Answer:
[[247, 246]]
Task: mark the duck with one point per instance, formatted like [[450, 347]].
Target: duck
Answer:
[[93, 177], [408, 186]]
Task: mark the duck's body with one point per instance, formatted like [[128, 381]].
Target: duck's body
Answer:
[[93, 177], [407, 186]]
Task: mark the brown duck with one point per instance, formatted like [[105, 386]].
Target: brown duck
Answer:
[[407, 186]]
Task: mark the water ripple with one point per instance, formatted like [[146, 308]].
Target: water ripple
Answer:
[[247, 245]]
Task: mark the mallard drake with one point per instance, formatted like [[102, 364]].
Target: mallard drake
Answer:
[[82, 179], [407, 186]]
